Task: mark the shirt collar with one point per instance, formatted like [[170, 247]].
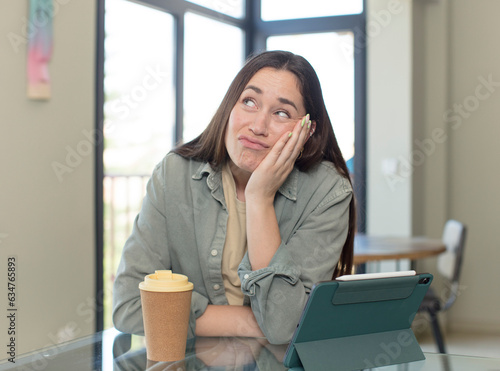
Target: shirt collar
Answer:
[[214, 180]]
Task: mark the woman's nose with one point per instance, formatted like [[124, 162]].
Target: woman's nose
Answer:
[[260, 124]]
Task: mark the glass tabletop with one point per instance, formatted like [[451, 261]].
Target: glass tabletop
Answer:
[[115, 351]]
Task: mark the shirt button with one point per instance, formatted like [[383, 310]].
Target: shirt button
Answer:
[[216, 287], [214, 252], [245, 276]]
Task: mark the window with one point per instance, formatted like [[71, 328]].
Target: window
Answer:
[[274, 10], [234, 8], [139, 86], [335, 68], [205, 87], [139, 118], [331, 35], [154, 56], [152, 100]]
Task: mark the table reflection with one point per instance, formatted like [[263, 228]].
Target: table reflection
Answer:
[[205, 353], [112, 350]]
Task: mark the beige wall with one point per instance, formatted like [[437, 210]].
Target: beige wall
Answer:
[[474, 154], [45, 221], [453, 154]]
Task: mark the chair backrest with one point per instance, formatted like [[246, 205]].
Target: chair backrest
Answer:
[[449, 263]]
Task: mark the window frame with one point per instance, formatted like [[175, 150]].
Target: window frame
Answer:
[[356, 24], [178, 9], [256, 33]]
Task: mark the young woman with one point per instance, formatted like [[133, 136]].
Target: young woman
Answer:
[[255, 211]]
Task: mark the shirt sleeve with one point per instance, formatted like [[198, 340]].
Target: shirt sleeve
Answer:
[[145, 251], [278, 293]]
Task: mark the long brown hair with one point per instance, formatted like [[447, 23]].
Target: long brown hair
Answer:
[[322, 146]]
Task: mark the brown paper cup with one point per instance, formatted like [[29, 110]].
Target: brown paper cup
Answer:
[[166, 319]]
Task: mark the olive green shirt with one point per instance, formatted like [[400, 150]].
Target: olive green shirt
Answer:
[[182, 226]]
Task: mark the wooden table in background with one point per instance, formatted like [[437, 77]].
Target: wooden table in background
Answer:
[[377, 248]]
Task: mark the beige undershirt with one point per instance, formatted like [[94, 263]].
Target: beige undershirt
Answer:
[[235, 245]]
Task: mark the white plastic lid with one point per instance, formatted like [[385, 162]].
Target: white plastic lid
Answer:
[[165, 281]]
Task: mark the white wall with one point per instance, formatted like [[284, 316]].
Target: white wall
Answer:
[[389, 69], [46, 222], [426, 62]]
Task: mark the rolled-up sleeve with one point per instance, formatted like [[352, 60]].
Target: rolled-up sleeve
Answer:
[[309, 254], [198, 305], [147, 250]]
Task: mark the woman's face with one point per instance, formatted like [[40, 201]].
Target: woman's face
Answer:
[[270, 105]]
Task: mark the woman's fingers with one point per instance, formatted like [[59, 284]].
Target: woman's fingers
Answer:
[[279, 162], [280, 149], [305, 126], [289, 146]]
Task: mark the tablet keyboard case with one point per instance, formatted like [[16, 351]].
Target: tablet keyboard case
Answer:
[[359, 324]]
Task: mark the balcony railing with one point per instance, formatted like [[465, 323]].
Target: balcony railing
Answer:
[[123, 195]]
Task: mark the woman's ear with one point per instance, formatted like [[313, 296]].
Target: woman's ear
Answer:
[[312, 129]]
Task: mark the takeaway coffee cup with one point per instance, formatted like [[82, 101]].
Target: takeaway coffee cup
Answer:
[[166, 303]]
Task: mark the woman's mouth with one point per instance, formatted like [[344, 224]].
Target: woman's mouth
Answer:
[[252, 143]]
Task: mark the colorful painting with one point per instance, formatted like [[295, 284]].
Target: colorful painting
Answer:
[[40, 45]]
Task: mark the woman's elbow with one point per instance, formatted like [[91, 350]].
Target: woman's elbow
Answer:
[[279, 332], [128, 321], [119, 321]]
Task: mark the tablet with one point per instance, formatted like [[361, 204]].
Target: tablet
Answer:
[[359, 323], [369, 276]]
